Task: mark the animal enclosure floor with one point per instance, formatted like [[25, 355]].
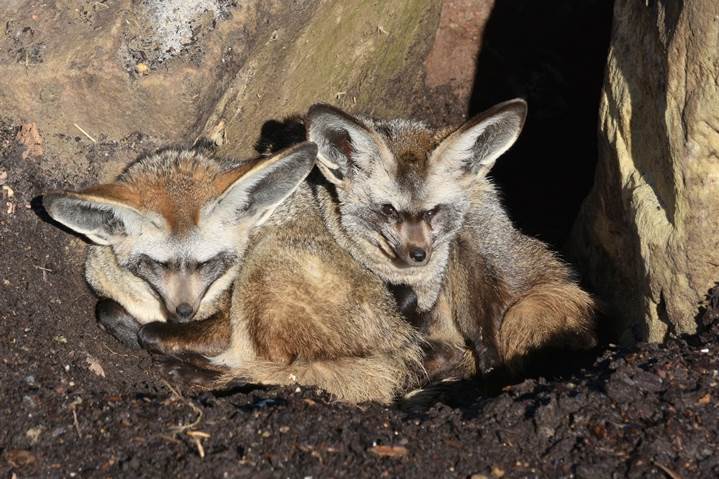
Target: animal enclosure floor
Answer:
[[74, 403]]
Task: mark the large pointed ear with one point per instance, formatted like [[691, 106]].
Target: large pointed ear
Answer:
[[257, 190], [343, 141], [477, 144], [104, 213]]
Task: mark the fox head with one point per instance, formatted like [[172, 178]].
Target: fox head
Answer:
[[181, 221], [403, 189]]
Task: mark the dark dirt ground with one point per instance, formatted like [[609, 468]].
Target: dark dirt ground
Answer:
[[76, 404]]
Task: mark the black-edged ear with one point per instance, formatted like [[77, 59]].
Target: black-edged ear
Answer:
[[105, 214], [477, 144], [256, 191], [342, 140]]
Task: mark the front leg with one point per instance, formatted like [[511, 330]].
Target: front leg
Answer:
[[207, 337], [444, 361], [114, 319], [487, 356]]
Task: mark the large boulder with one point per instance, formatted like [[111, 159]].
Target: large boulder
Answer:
[[646, 237], [402, 58], [107, 79]]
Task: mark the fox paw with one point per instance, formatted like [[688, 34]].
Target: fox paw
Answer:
[[189, 370], [112, 318], [154, 337]]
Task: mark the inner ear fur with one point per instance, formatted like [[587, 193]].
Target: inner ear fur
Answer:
[[340, 138], [257, 188], [103, 213], [476, 145]]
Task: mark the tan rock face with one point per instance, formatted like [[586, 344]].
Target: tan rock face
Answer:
[[88, 74], [646, 236], [362, 56], [457, 45]]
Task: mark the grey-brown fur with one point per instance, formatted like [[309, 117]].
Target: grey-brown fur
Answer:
[[304, 311], [486, 285]]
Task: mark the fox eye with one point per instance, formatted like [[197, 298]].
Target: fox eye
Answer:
[[148, 261], [429, 214], [211, 263], [389, 210], [218, 264]]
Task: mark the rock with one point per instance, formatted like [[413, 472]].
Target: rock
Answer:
[[30, 138], [170, 71], [389, 451], [459, 37], [19, 457], [142, 69], [646, 235], [34, 433], [362, 56], [497, 471]]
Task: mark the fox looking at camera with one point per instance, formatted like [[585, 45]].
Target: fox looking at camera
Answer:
[[414, 205]]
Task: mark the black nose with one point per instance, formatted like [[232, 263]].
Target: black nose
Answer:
[[184, 311], [417, 254]]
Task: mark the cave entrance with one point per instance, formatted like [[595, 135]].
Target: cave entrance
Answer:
[[553, 54]]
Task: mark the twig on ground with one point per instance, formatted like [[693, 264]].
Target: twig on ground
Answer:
[[667, 471], [44, 272], [196, 436], [85, 133], [116, 353], [76, 422]]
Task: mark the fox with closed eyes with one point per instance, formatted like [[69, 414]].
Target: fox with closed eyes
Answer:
[[169, 234]]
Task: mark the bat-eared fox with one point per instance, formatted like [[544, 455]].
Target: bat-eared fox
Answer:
[[277, 280]]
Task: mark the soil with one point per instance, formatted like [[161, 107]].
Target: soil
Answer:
[[76, 403]]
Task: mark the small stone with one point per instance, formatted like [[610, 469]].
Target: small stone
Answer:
[[33, 434], [7, 192], [705, 399], [389, 451], [142, 69], [19, 457], [29, 401]]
